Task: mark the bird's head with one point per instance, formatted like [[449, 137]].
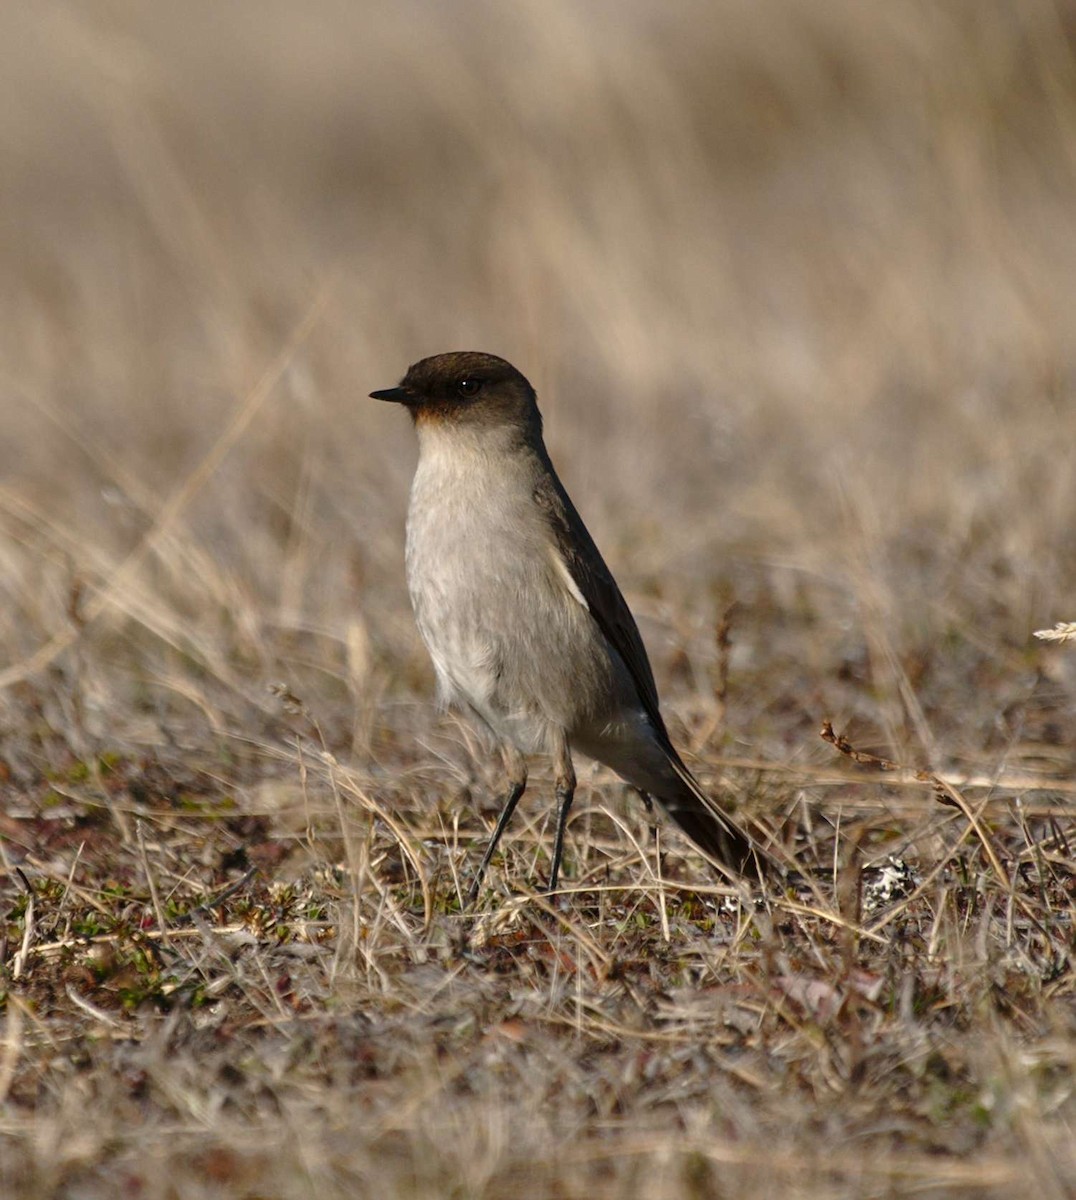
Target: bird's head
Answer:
[[466, 389]]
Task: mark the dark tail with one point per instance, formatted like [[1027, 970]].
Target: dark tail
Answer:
[[709, 828]]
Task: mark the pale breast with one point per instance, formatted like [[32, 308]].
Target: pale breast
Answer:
[[508, 634], [460, 522]]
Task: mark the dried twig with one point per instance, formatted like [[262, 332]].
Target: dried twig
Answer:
[[944, 792], [866, 759], [18, 964]]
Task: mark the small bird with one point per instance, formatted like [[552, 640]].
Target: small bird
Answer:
[[527, 629]]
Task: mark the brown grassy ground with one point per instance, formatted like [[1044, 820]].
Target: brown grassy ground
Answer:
[[796, 286]]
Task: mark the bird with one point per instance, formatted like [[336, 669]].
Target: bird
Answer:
[[528, 631]]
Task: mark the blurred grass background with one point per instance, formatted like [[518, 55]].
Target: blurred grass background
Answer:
[[796, 284]]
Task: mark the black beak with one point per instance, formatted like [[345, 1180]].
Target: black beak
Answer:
[[397, 395]]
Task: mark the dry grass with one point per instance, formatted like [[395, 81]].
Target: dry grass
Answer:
[[795, 284]]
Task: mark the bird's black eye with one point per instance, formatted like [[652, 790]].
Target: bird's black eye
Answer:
[[469, 387]]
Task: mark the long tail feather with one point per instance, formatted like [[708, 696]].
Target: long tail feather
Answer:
[[710, 829]]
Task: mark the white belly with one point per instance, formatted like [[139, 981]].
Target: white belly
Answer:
[[508, 637]]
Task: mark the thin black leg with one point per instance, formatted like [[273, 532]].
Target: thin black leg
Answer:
[[517, 782], [565, 796], [565, 792]]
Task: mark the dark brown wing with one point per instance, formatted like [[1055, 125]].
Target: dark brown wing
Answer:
[[689, 806], [599, 589]]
